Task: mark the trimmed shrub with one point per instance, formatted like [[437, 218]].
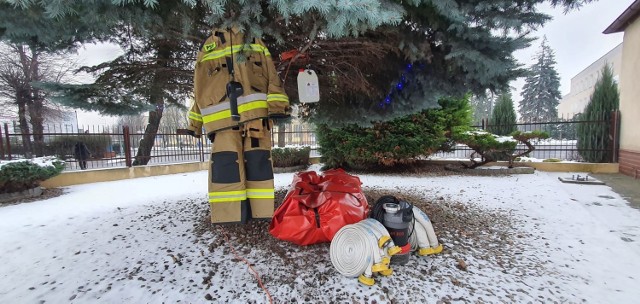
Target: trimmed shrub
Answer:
[[289, 157], [490, 147], [399, 141], [16, 176]]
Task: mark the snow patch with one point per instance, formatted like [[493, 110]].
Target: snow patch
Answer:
[[46, 161]]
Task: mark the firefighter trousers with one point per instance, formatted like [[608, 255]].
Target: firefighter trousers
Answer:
[[241, 174]]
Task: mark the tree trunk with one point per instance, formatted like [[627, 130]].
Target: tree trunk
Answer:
[[24, 125], [36, 104], [281, 133], [143, 156], [35, 117]]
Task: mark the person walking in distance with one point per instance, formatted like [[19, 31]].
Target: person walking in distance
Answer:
[[81, 152]]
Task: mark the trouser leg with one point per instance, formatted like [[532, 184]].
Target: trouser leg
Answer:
[[227, 193], [259, 169]]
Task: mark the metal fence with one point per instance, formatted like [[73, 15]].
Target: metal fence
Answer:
[[562, 142], [117, 146]]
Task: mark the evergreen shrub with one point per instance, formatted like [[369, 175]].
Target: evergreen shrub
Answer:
[[23, 175], [290, 157], [503, 118], [594, 141], [399, 141]]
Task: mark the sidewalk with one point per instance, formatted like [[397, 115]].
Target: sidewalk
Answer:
[[626, 186]]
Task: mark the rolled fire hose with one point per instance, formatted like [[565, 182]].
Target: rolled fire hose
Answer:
[[424, 239], [385, 242], [362, 249]]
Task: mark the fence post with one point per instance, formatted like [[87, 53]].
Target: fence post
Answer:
[[6, 133], [614, 133], [1, 146], [127, 145], [201, 144]]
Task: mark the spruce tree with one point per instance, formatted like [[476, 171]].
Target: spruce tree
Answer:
[[503, 117], [541, 91], [594, 141], [390, 59], [376, 63]]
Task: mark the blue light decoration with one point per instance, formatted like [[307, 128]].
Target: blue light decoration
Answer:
[[400, 85]]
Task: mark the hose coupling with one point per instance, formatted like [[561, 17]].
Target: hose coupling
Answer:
[[429, 251], [394, 250], [366, 280]]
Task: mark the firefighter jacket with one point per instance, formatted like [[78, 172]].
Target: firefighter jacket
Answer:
[[263, 95]]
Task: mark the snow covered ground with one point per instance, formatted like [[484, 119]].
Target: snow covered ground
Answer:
[[142, 241]]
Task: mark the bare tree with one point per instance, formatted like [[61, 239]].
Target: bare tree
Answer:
[[135, 122], [21, 67], [173, 118]]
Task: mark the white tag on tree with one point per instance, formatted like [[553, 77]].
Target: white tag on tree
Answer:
[[308, 88]]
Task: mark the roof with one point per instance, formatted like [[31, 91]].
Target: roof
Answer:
[[628, 16]]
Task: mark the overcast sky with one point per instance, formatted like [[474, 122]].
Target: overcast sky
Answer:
[[576, 38]]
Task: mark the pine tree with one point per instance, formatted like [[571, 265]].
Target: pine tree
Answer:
[[541, 91], [503, 117], [594, 141]]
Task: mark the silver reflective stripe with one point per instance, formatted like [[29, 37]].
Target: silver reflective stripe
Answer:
[[229, 196], [225, 105], [214, 109], [251, 97]]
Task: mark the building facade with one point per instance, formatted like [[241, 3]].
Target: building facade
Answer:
[[629, 22], [583, 84]]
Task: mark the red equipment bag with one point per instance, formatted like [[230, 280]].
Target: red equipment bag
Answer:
[[317, 206]]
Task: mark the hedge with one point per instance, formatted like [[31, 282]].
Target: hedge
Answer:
[[399, 141], [289, 157]]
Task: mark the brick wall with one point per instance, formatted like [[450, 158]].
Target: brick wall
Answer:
[[630, 163]]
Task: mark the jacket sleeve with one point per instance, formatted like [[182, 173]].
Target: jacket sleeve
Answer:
[[195, 118], [277, 99]]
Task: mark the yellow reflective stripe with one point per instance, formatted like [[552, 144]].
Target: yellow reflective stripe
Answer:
[[216, 116], [236, 48], [226, 196], [195, 116], [227, 192], [278, 99], [270, 96], [260, 193], [258, 104]]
